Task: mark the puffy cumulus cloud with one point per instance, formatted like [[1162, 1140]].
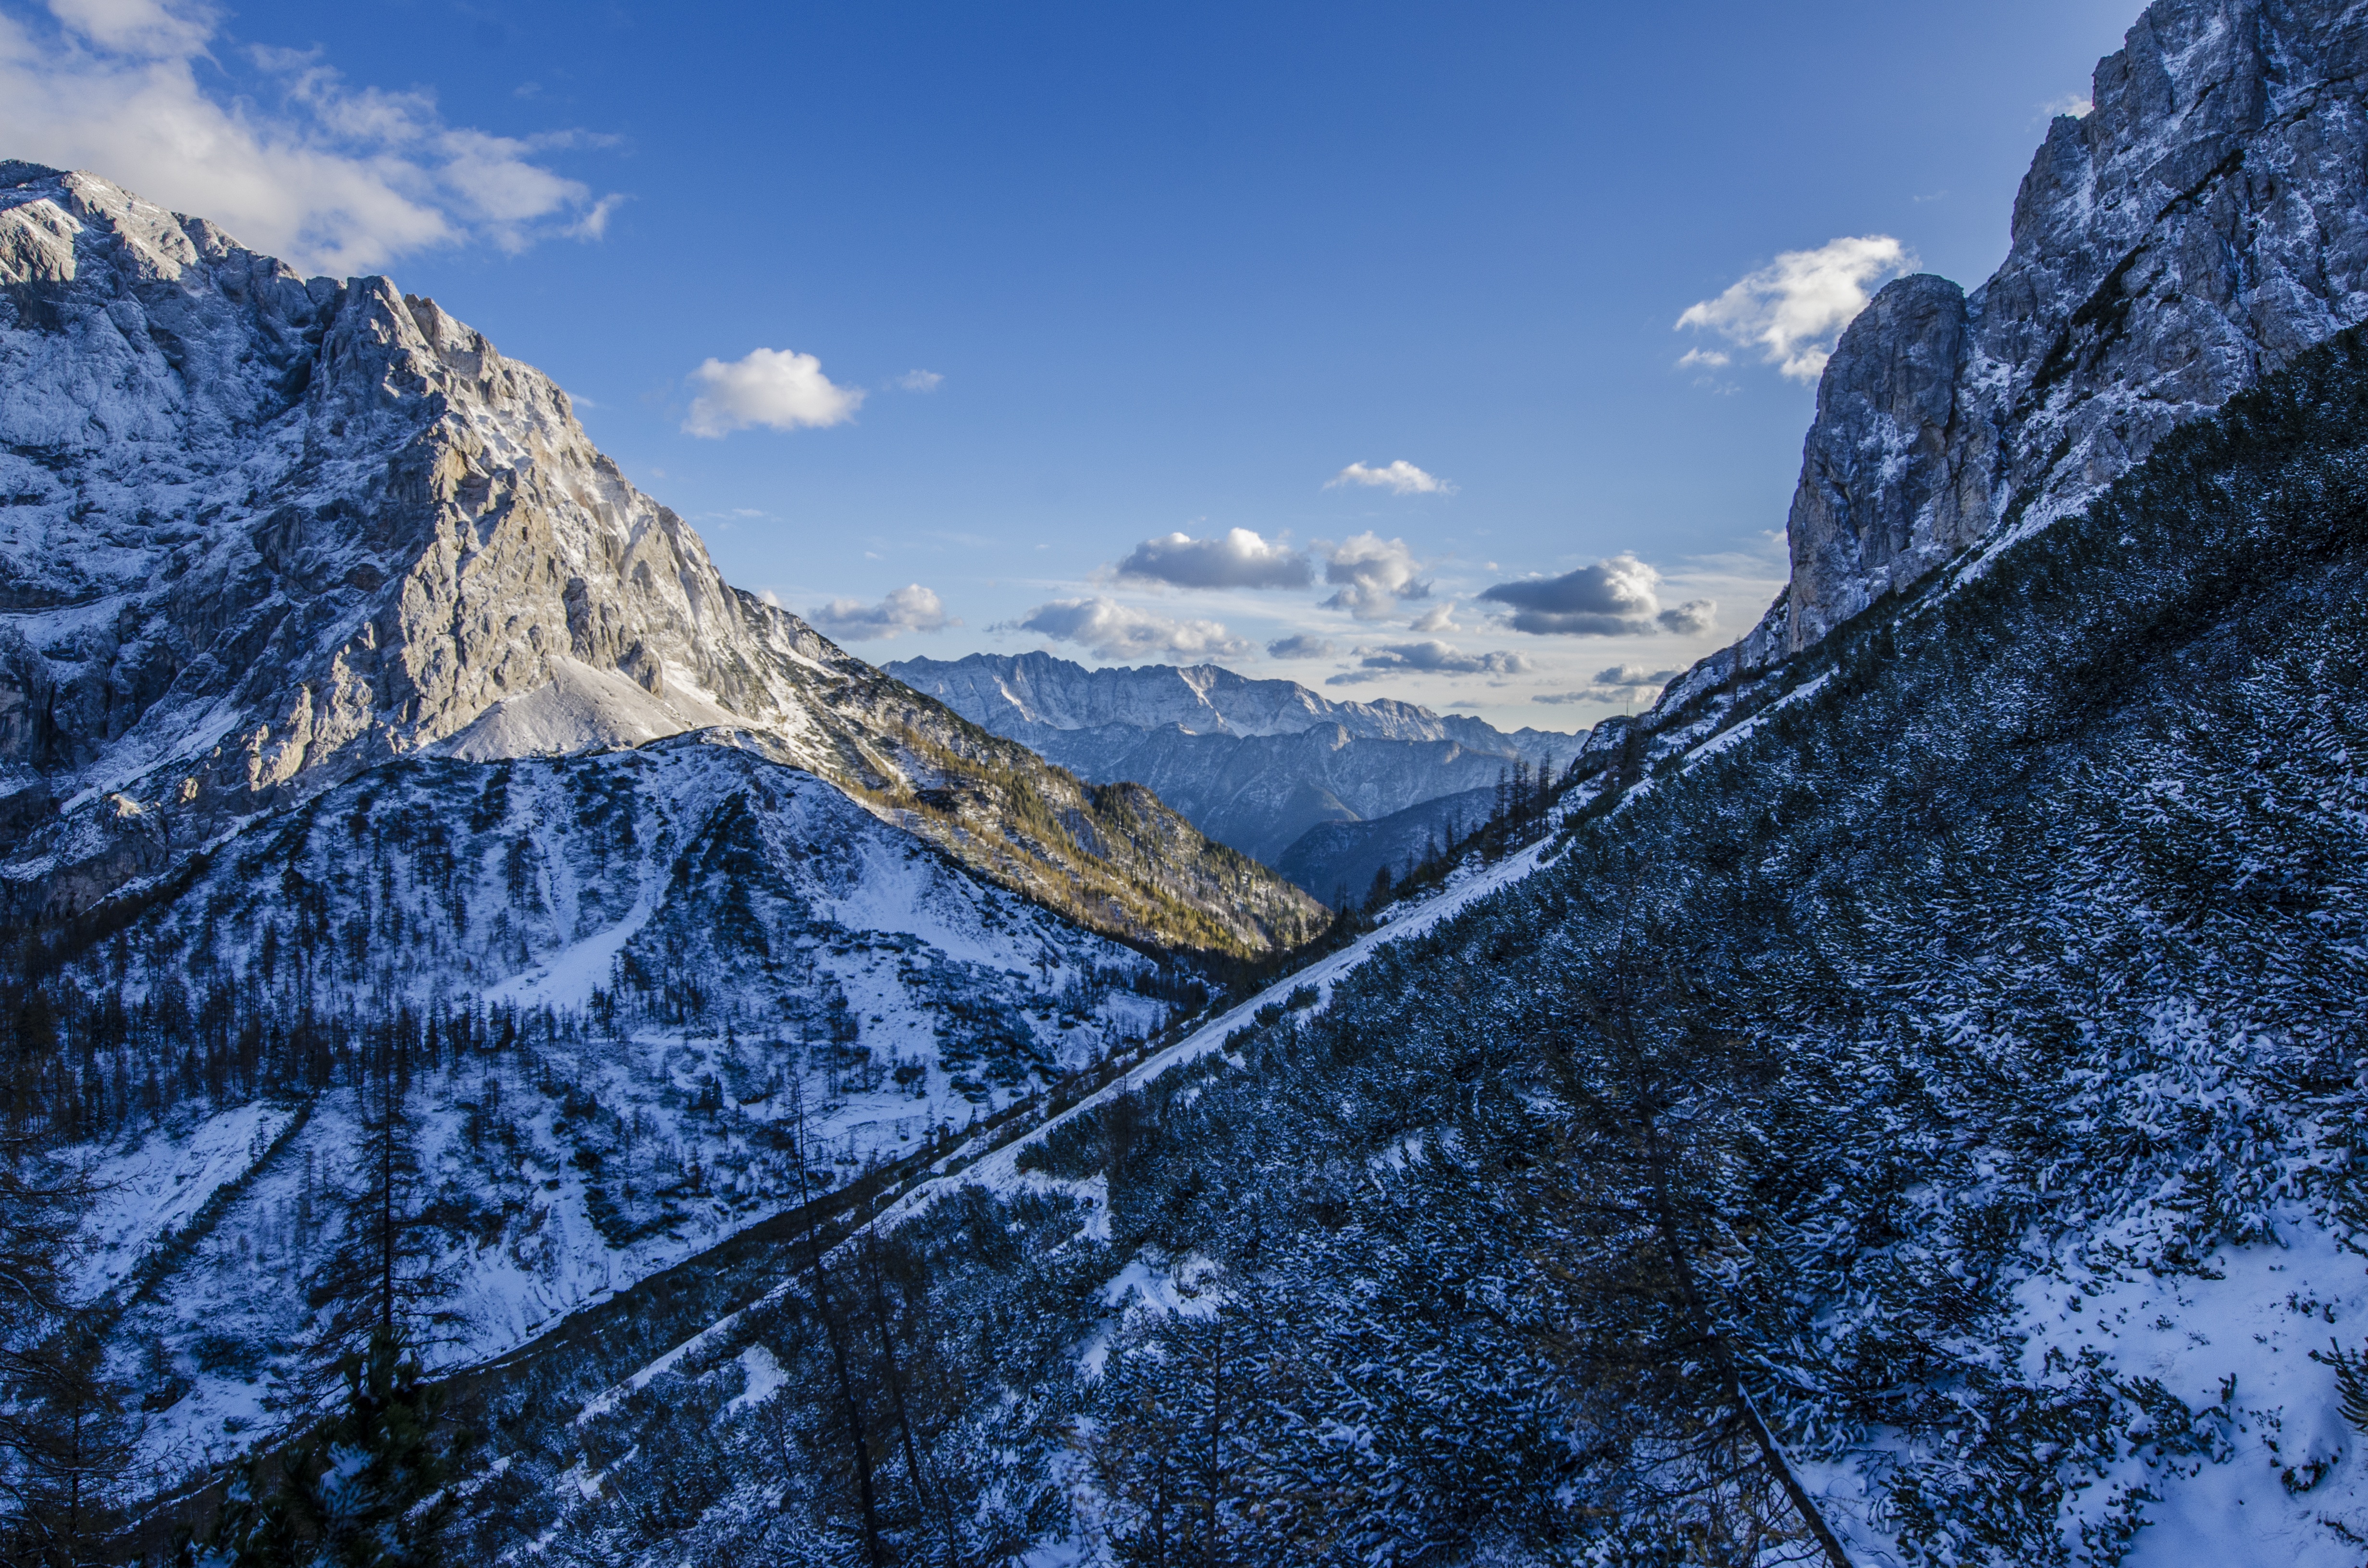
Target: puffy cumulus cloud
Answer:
[[1431, 657], [909, 608], [1437, 618], [329, 178], [1371, 573], [1793, 309], [1611, 598], [1620, 683], [919, 381], [1300, 646], [1619, 597], [1239, 559], [1399, 478], [1122, 631], [779, 388]]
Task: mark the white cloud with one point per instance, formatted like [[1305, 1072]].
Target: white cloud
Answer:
[[1619, 597], [1300, 646], [909, 608], [331, 178], [1122, 631], [1794, 309], [1240, 559], [1372, 574], [2077, 104], [1437, 618], [779, 388], [919, 381], [1703, 358], [1400, 478], [1427, 658]]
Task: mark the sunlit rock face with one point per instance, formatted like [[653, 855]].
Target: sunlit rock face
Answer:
[[263, 533], [2203, 225]]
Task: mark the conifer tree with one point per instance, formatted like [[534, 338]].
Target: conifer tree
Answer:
[[74, 1447], [368, 1489]]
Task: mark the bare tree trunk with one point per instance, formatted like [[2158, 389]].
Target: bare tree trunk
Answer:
[[857, 1437], [896, 1397], [1618, 1025]]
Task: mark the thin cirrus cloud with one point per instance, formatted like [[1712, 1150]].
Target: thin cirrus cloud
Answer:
[[1118, 630], [777, 388], [1619, 597], [1432, 657], [1400, 478], [918, 382], [1237, 558], [1372, 575], [332, 179], [909, 608], [1791, 310]]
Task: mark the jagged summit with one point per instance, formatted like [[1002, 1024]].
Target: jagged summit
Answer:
[[1257, 764], [263, 533], [1203, 700]]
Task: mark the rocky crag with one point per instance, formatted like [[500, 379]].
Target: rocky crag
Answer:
[[2204, 223], [264, 533]]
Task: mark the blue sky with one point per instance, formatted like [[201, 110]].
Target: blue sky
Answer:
[[1038, 287]]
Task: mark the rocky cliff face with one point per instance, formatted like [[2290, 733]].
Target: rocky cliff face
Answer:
[[2203, 224], [263, 533]]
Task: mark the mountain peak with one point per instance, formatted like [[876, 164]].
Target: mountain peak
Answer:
[[1040, 688], [263, 534]]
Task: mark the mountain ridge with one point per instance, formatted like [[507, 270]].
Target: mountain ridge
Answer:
[[1260, 764], [263, 534]]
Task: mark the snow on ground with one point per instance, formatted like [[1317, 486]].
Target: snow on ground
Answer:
[[1726, 740], [2233, 1342], [154, 1188], [568, 977]]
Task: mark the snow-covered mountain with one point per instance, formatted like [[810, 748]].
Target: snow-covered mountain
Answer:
[[1255, 764], [264, 533], [2204, 224], [628, 993], [1906, 1112], [1907, 1115], [361, 725]]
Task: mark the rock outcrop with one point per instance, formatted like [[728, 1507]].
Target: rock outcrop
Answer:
[[2201, 225], [262, 533]]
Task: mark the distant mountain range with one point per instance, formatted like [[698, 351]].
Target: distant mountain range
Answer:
[[1260, 764]]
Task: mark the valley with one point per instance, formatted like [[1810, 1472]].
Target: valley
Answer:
[[518, 1049]]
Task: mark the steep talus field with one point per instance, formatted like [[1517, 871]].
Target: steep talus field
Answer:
[[1955, 1077], [263, 533]]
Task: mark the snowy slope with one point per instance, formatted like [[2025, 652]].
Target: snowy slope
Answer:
[[620, 980], [260, 534]]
